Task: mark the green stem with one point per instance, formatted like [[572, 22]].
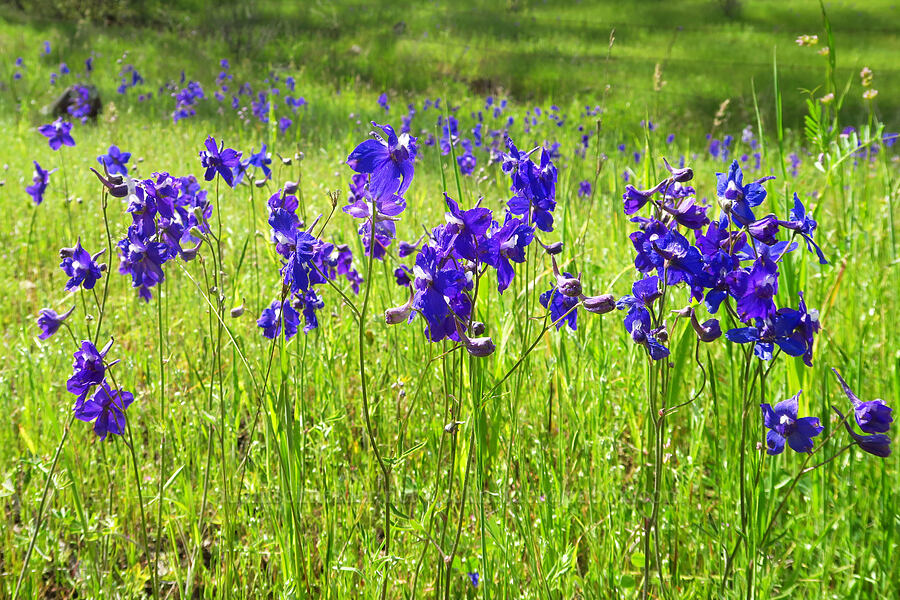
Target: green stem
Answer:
[[162, 421], [137, 482], [365, 400], [41, 506]]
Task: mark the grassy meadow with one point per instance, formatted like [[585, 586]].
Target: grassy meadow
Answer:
[[564, 465]]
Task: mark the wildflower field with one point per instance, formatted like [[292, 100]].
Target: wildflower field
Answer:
[[464, 300]]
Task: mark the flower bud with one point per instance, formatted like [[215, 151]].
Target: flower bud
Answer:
[[553, 249], [397, 314], [291, 187], [565, 283], [685, 312], [569, 286], [661, 333], [478, 328], [680, 175], [764, 229], [116, 185], [189, 254], [599, 305], [708, 331], [479, 346], [877, 444], [237, 311], [260, 183]]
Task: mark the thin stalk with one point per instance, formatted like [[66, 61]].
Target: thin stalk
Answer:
[[102, 305], [162, 421], [137, 481], [41, 506], [365, 400], [462, 506]]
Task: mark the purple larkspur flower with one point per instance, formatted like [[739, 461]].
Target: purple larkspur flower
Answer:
[[81, 267], [737, 198], [219, 160], [439, 294], [39, 183], [390, 162], [106, 408], [88, 369], [804, 225], [584, 189], [271, 318], [115, 161], [57, 133], [785, 426], [877, 444], [506, 245], [50, 322], [562, 308]]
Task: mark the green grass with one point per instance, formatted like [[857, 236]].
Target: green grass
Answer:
[[558, 489], [533, 51]]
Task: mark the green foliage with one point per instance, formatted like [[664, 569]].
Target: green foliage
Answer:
[[558, 503]]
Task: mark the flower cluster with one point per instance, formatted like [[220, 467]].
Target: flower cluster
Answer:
[[306, 262], [105, 407], [734, 260], [169, 217], [533, 186], [385, 168], [459, 252], [80, 103]]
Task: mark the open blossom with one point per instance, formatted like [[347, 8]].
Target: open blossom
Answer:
[[739, 199], [638, 321], [755, 289], [506, 245], [219, 160], [439, 294], [89, 370], [785, 426], [295, 245], [115, 161], [467, 226], [57, 133], [561, 306], [390, 161], [533, 186], [261, 160], [106, 409], [584, 189], [142, 258], [39, 183], [272, 316], [50, 322], [81, 267]]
